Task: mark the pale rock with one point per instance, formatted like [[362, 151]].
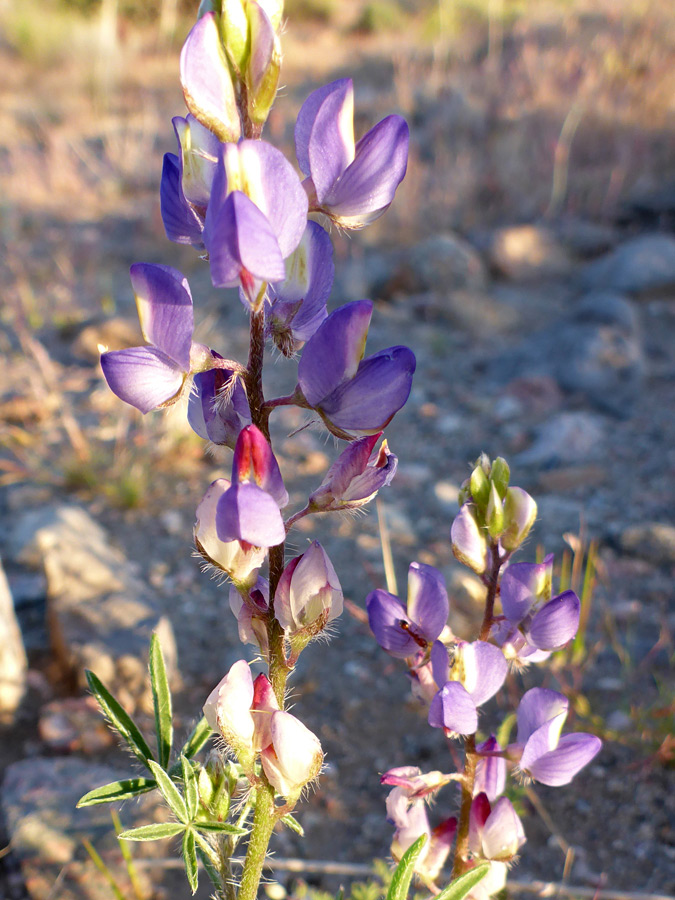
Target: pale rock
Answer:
[[13, 662]]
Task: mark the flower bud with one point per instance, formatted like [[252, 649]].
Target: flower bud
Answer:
[[356, 476], [308, 595], [216, 782], [234, 32], [264, 64], [494, 515], [240, 564], [480, 487], [228, 711], [251, 615], [499, 475], [520, 512], [294, 757], [468, 540]]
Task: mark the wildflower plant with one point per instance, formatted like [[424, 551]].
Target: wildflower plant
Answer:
[[245, 209]]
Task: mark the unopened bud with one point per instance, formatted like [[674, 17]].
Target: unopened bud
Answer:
[[494, 516], [234, 32], [264, 64], [520, 512], [308, 595], [499, 475], [468, 540], [215, 785], [294, 757], [480, 487]]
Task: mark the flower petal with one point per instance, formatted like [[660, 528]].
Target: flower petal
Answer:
[[385, 615], [521, 585], [333, 353], [327, 116], [559, 766], [556, 623], [453, 709], [247, 513], [164, 306], [488, 671], [369, 400], [538, 706], [142, 376], [181, 222], [428, 603]]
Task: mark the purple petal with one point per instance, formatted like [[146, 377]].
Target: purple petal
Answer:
[[142, 376], [378, 474], [503, 833], [207, 84], [485, 670], [367, 187], [164, 308], [274, 187], [453, 709], [428, 603], [240, 238], [333, 353], [385, 614], [341, 146], [331, 142], [490, 770], [521, 585], [350, 464], [368, 402], [542, 741], [559, 766], [308, 282], [538, 706], [247, 513], [556, 623], [440, 663], [181, 222]]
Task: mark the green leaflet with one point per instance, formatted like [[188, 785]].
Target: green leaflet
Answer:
[[119, 719], [161, 698], [400, 882], [461, 886], [154, 832], [118, 790]]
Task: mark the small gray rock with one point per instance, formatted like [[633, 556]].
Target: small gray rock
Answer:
[[653, 541], [100, 615], [13, 663], [571, 437], [444, 263], [641, 265]]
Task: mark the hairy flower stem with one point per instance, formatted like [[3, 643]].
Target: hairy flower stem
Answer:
[[470, 755], [264, 821]]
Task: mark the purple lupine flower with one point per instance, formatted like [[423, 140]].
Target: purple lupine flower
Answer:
[[490, 776], [250, 510], [477, 673], [353, 395], [206, 80], [308, 595], [217, 406], [400, 631], [353, 183], [495, 832], [530, 631], [153, 376], [545, 755], [241, 563], [356, 476], [255, 218], [297, 305]]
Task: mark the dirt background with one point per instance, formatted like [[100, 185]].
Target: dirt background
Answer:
[[556, 116]]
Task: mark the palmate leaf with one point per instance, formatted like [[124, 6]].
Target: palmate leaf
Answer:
[[461, 886], [118, 790], [200, 735], [170, 792], [120, 719], [190, 859], [400, 882], [155, 832], [161, 698]]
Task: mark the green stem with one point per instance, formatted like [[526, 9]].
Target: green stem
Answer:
[[264, 821]]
